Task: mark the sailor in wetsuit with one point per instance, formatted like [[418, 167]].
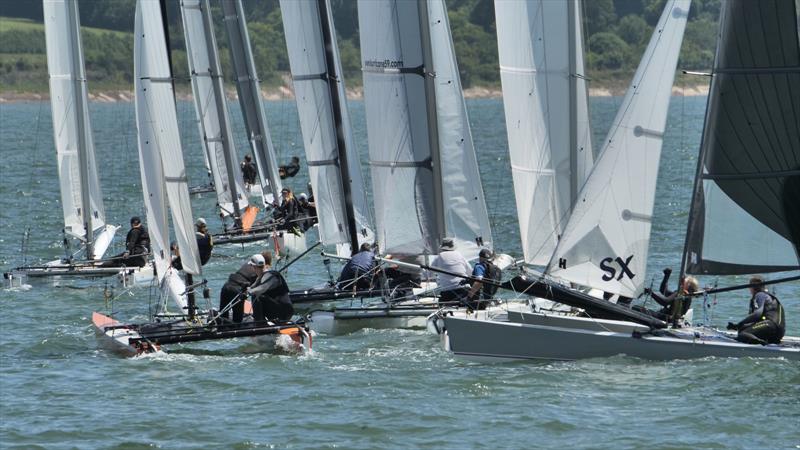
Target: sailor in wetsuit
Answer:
[[204, 244], [237, 285], [357, 273], [291, 169], [286, 213], [137, 246], [248, 172], [674, 304], [270, 294], [766, 323]]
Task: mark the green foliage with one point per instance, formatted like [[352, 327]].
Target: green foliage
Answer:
[[633, 29], [616, 33], [607, 51]]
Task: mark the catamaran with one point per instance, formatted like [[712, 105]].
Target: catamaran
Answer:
[[726, 190], [421, 155], [81, 195], [165, 187]]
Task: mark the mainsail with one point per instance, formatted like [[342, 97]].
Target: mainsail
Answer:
[[605, 242], [160, 154], [81, 197], [333, 161], [425, 180], [540, 45], [209, 99], [746, 202], [249, 91]]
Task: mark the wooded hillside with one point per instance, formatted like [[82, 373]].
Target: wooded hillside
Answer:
[[616, 33]]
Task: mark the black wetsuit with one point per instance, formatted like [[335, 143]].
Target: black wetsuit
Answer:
[[290, 170], [766, 323], [137, 246], [235, 286], [288, 213], [309, 213], [204, 244], [674, 306], [271, 298], [249, 172]]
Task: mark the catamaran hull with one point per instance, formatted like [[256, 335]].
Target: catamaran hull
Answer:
[[508, 341], [284, 243], [345, 321], [116, 337]]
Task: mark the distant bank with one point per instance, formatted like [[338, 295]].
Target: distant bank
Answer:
[[286, 93]]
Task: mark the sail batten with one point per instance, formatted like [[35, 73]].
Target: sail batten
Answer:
[[81, 197], [744, 202]]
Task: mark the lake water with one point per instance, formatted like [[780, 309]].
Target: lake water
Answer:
[[370, 389]]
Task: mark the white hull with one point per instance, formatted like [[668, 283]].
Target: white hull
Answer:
[[506, 341], [338, 322]]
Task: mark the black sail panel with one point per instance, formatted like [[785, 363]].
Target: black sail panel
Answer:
[[741, 216]]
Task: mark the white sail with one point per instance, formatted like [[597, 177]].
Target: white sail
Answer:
[[540, 45], [249, 90], [744, 216], [160, 154], [466, 218], [400, 153], [425, 179], [209, 99], [313, 83], [606, 240], [147, 36], [77, 170]]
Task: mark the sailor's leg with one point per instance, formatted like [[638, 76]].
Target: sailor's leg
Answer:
[[757, 333], [226, 295]]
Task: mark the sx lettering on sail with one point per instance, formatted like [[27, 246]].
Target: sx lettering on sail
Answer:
[[608, 266]]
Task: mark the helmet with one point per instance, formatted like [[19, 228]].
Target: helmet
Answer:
[[485, 253]]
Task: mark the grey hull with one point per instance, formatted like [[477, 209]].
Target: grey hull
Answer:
[[505, 341]]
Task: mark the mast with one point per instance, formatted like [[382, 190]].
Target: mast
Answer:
[[333, 78], [248, 88], [429, 74], [572, 71]]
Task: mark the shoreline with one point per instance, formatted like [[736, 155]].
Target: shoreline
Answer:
[[286, 93]]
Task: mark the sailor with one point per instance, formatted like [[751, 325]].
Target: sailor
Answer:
[[675, 304], [234, 290], [307, 210], [455, 287], [357, 273], [481, 293], [137, 246], [248, 171], [204, 244], [766, 323], [286, 212], [291, 169], [270, 294]]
